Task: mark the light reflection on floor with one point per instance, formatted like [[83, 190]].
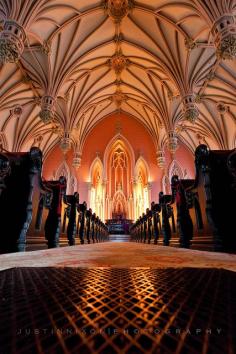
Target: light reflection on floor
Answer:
[[111, 310]]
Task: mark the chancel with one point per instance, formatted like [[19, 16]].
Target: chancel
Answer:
[[117, 176]]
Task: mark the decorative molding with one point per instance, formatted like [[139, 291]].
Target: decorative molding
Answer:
[[190, 109], [189, 44], [118, 9], [161, 161], [224, 33], [47, 109], [12, 40], [118, 63], [172, 141], [76, 162], [66, 142]]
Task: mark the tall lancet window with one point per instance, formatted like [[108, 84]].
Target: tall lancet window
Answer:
[[141, 190], [96, 189]]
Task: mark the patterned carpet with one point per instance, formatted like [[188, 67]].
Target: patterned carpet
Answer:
[[117, 310], [119, 255]]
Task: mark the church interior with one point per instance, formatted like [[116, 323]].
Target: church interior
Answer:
[[118, 176]]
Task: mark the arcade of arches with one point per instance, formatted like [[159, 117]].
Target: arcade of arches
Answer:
[[119, 175], [74, 75]]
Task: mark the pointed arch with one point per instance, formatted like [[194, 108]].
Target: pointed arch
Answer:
[[166, 188], [119, 163], [119, 205], [97, 163], [142, 187], [64, 170], [122, 139], [142, 166], [175, 169], [96, 191]]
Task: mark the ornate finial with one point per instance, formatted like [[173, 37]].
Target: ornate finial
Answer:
[[190, 109], [224, 33], [47, 109], [118, 9], [11, 42]]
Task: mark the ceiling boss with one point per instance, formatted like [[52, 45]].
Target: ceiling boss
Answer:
[[118, 9]]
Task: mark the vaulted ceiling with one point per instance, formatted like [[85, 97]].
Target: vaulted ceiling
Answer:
[[67, 65]]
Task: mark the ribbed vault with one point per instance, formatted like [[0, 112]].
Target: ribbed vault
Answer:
[[169, 64]]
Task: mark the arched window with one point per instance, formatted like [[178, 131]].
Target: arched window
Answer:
[[141, 190], [96, 201]]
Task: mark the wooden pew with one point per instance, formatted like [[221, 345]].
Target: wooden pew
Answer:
[[165, 201], [155, 209], [52, 226], [206, 206], [88, 216], [93, 219], [146, 227], [215, 186], [82, 210], [72, 202], [20, 174], [184, 202]]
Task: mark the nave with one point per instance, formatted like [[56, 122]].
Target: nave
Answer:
[[117, 176]]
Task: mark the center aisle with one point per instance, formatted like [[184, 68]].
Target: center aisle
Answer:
[[119, 255]]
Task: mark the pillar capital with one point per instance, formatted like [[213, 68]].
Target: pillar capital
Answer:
[[12, 40], [47, 109], [190, 109], [224, 34]]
